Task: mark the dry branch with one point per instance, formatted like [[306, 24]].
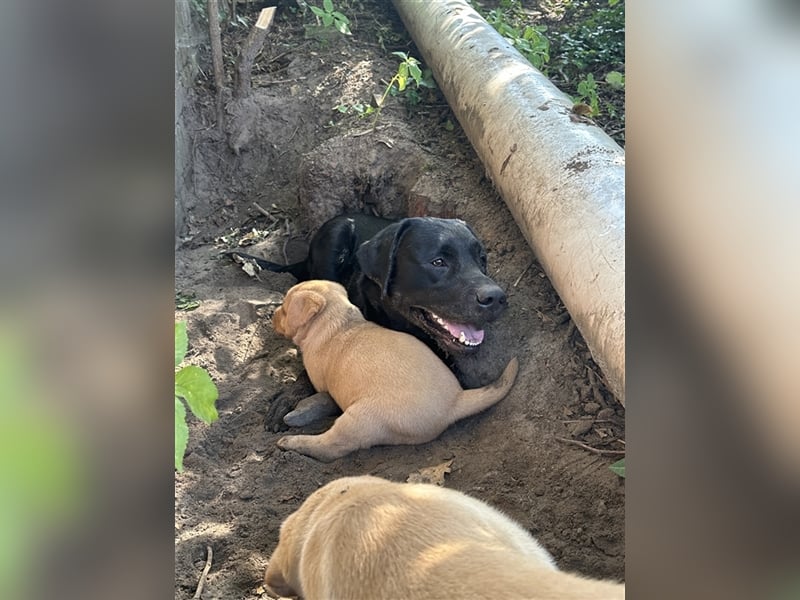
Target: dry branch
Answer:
[[200, 584], [600, 451], [216, 57], [251, 48]]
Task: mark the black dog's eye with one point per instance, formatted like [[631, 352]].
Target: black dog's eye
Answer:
[[438, 262]]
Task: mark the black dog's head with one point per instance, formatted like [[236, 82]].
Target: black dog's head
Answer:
[[432, 272]]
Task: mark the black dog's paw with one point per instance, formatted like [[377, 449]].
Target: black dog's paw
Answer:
[[312, 409], [477, 371], [279, 407], [286, 401]]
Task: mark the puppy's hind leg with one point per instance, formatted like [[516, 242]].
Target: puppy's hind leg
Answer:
[[348, 433]]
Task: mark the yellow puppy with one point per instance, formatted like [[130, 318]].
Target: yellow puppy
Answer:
[[365, 537], [392, 388]]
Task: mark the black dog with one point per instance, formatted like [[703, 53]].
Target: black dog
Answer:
[[422, 275]]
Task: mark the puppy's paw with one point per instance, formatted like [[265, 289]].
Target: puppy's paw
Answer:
[[285, 443]]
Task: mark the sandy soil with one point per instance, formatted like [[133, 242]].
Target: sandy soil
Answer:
[[298, 160]]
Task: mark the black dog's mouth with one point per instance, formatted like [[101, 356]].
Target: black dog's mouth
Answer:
[[459, 337]]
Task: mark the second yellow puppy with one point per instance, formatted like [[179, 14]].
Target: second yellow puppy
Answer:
[[365, 538]]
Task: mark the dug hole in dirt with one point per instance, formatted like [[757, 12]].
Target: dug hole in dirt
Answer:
[[285, 161]]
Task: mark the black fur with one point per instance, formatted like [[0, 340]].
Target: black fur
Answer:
[[410, 275]]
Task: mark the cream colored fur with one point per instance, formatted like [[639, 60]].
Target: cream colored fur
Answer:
[[392, 388], [371, 539]]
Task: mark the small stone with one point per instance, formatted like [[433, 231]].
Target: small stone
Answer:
[[591, 408], [606, 414], [581, 427]]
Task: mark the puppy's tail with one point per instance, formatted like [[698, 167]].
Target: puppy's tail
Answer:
[[298, 269], [474, 401]]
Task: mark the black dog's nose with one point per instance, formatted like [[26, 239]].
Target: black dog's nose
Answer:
[[491, 296]]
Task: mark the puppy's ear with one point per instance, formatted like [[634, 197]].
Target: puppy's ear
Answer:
[[303, 306], [377, 257]]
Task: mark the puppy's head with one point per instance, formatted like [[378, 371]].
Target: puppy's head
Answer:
[[282, 575], [302, 305]]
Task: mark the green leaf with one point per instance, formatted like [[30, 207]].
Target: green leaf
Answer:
[[615, 79], [401, 82], [327, 5], [327, 20], [317, 11], [401, 55], [181, 342], [415, 72], [342, 27], [340, 17], [619, 467], [195, 385], [181, 434], [186, 301]]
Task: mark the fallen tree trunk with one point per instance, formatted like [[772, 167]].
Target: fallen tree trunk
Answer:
[[562, 177]]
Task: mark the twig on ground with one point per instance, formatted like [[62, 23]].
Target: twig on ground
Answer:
[[591, 448], [521, 275], [204, 574], [365, 132], [264, 212], [282, 81], [296, 129]]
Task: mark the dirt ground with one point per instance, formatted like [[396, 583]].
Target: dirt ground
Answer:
[[298, 160]]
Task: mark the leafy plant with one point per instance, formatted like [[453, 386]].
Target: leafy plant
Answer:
[[193, 384], [591, 44], [587, 92], [616, 80], [408, 72], [186, 301], [619, 467], [583, 54], [408, 80], [332, 17], [529, 40]]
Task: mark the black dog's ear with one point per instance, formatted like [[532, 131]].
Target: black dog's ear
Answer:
[[377, 256], [471, 230]]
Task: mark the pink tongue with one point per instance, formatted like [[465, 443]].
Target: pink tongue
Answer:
[[471, 334]]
